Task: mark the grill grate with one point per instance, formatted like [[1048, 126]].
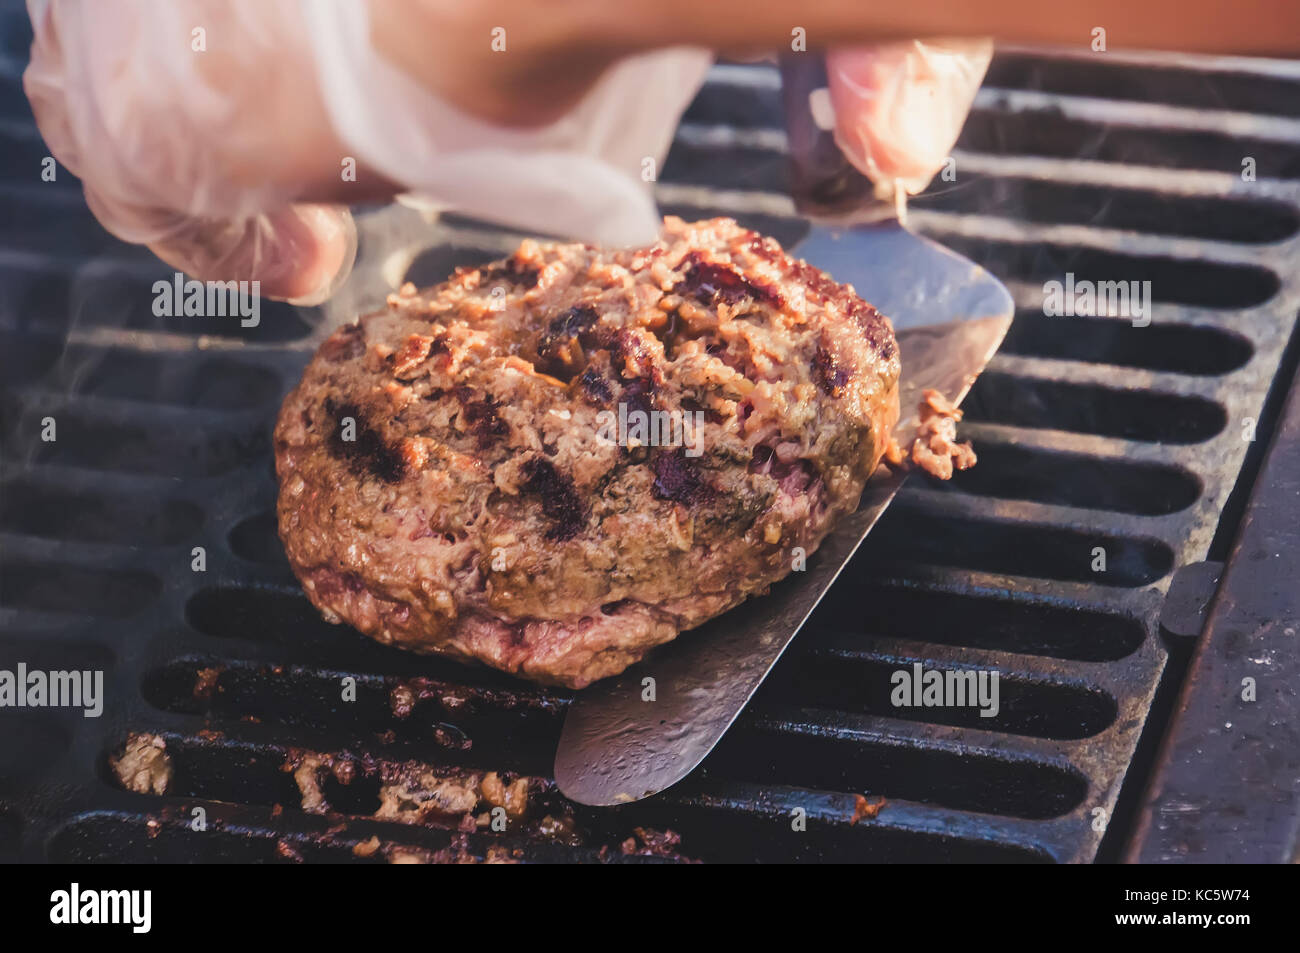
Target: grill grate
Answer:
[[1091, 433]]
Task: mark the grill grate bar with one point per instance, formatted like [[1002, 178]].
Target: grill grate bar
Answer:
[[1139, 115]]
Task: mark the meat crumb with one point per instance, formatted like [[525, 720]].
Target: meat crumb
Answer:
[[306, 776], [417, 799], [894, 453], [512, 797], [402, 701], [649, 842], [864, 809], [286, 850], [408, 856], [457, 853], [205, 680], [143, 766], [935, 449]]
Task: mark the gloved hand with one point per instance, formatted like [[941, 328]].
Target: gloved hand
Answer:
[[177, 119], [220, 134], [900, 107]]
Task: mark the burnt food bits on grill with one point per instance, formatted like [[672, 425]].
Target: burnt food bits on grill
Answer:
[[554, 463]]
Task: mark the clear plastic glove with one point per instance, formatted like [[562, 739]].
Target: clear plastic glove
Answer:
[[899, 108], [219, 134]]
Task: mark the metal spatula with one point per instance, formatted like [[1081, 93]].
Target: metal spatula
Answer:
[[950, 315]]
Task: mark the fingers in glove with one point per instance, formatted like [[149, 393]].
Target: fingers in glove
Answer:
[[298, 253], [900, 107]]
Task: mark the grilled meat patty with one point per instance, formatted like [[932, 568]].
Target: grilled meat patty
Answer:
[[558, 461]]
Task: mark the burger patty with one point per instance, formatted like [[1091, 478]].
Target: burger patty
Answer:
[[560, 460]]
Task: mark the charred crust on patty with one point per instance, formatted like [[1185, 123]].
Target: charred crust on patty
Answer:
[[595, 387], [480, 417], [831, 375], [678, 478], [560, 500], [560, 347], [875, 328], [714, 283], [511, 270], [366, 453]]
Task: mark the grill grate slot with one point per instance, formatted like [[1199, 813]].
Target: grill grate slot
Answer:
[[1180, 348], [442, 715], [1053, 202], [120, 295], [39, 509], [975, 620], [861, 682], [120, 837], [404, 800], [218, 384], [255, 539], [1205, 284], [834, 751], [751, 824], [911, 533], [68, 589], [1012, 472], [1086, 408]]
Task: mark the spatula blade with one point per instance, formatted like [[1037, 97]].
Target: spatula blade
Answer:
[[617, 747], [913, 280]]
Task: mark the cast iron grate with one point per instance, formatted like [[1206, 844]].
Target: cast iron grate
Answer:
[[1092, 432]]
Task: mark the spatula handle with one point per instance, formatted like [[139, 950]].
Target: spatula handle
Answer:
[[823, 182]]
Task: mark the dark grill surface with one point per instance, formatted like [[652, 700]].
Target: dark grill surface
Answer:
[[1092, 433]]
